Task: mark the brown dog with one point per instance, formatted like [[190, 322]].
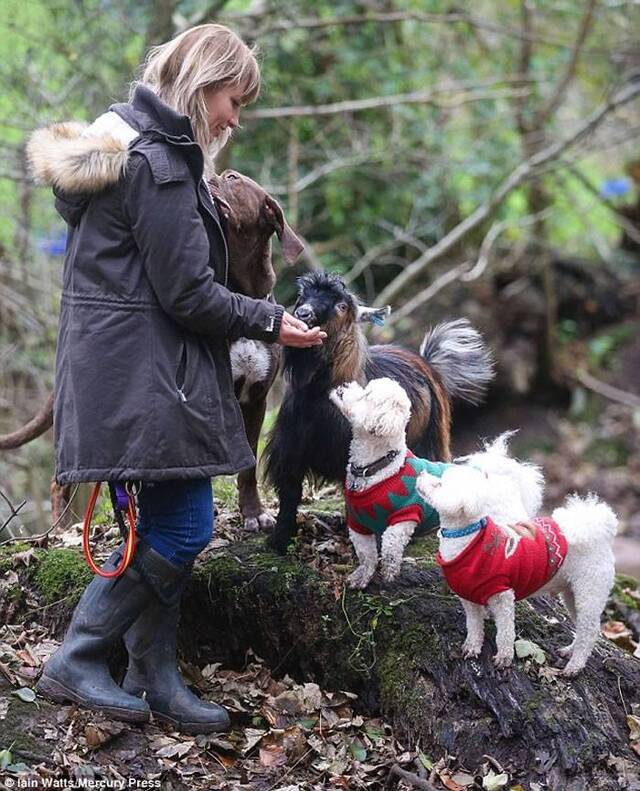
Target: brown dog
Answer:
[[251, 216]]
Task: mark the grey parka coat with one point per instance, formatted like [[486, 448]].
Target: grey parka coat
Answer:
[[143, 385]]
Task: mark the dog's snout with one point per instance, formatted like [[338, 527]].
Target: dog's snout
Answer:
[[305, 313]]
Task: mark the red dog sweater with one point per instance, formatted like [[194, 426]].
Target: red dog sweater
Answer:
[[494, 562], [393, 500]]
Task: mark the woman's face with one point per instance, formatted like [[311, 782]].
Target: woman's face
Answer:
[[223, 109]]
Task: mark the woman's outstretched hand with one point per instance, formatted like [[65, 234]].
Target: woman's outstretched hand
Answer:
[[294, 332]]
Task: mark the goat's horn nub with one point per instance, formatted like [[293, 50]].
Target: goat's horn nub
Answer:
[[374, 315]]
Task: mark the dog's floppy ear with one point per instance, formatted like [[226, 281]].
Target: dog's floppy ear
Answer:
[[221, 205], [291, 244]]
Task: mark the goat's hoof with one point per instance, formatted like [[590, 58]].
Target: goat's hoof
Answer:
[[278, 544], [360, 578], [254, 524]]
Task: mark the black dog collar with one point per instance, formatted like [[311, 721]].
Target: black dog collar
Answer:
[[368, 470]]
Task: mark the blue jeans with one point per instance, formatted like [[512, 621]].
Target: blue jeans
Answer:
[[176, 517]]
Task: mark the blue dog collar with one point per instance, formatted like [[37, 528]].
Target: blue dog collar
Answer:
[[464, 531]]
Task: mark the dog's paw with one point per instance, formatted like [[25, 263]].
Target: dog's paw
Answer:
[[501, 660], [360, 578], [470, 649], [390, 568], [572, 668], [566, 650]]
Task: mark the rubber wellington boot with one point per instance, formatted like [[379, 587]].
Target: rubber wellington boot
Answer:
[[152, 646], [78, 671]]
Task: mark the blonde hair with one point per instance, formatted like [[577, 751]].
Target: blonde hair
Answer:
[[204, 57]]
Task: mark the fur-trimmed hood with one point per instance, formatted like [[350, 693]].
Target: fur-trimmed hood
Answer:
[[80, 158], [77, 158]]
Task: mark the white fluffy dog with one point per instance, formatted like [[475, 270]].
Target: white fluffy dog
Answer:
[[381, 477], [570, 555]]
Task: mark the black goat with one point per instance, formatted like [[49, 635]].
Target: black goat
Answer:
[[310, 435]]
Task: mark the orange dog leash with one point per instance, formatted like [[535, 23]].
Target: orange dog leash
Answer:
[[130, 537]]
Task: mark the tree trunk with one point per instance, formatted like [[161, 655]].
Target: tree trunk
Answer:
[[399, 650]]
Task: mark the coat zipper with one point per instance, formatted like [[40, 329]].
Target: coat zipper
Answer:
[[217, 222]]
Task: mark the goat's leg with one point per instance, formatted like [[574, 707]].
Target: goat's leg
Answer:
[[367, 554], [289, 491], [503, 609], [251, 508], [394, 539]]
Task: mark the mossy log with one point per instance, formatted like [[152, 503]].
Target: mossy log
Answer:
[[399, 649]]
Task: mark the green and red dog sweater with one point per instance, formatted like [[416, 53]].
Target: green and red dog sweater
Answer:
[[394, 500]]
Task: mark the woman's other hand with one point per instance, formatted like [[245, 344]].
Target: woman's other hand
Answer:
[[294, 332], [526, 528]]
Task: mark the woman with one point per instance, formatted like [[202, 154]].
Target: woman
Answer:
[[143, 387]]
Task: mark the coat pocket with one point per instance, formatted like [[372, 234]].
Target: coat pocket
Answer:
[[181, 370]]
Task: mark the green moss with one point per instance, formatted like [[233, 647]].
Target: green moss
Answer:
[[622, 584], [15, 727], [424, 549], [7, 554], [61, 572], [401, 687], [280, 575]]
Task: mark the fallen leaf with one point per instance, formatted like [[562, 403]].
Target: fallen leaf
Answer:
[[98, 734], [448, 782], [26, 694], [494, 781], [272, 755], [425, 761], [464, 779], [358, 750], [177, 750], [634, 727], [525, 648]]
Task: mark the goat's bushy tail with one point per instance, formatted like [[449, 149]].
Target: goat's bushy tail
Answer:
[[586, 521], [460, 357]]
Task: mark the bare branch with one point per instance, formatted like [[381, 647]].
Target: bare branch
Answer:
[[556, 97], [14, 510], [450, 276], [522, 172], [315, 23], [606, 390], [490, 239], [525, 62], [468, 91]]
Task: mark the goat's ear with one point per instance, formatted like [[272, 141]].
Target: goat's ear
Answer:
[[291, 244], [374, 315]]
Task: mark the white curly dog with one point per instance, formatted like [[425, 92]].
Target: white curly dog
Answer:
[[380, 494], [570, 555]]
